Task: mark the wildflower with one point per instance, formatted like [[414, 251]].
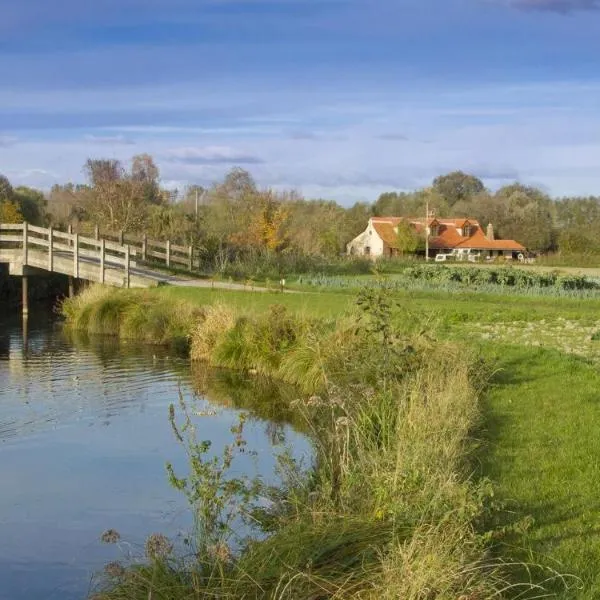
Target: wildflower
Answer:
[[110, 536], [158, 546]]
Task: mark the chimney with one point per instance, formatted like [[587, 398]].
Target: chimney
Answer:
[[490, 232]]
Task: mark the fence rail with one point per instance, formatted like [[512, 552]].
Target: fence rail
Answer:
[[100, 259], [151, 251]]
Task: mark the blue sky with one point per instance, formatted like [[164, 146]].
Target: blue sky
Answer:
[[340, 99]]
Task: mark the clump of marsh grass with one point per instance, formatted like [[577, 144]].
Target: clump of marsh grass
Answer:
[[78, 310], [131, 314], [259, 343], [217, 321]]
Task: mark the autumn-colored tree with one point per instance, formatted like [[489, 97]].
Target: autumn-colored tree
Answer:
[[9, 209], [271, 221], [9, 212]]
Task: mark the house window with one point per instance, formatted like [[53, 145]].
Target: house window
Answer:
[[367, 250], [467, 231], [434, 230]]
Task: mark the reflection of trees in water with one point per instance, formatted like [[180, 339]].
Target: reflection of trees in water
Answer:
[[265, 398], [113, 351], [52, 361]]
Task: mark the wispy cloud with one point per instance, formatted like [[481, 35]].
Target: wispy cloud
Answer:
[[211, 155], [109, 140], [392, 137], [495, 173], [558, 6], [6, 141], [304, 135]]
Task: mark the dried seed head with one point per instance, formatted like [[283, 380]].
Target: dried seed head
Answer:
[[158, 546], [110, 536], [114, 569]]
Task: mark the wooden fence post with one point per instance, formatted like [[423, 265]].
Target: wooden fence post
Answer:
[[50, 249], [144, 247], [25, 242], [121, 237], [97, 232], [25, 296], [168, 253], [127, 264], [76, 256], [102, 259], [191, 257]]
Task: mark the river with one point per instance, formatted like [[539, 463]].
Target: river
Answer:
[[84, 437]]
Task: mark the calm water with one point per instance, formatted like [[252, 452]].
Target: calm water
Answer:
[[84, 436]]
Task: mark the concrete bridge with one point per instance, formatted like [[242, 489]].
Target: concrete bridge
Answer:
[[30, 250]]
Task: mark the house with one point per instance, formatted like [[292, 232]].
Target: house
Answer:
[[459, 237]]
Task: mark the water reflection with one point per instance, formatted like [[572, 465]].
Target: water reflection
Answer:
[[84, 436]]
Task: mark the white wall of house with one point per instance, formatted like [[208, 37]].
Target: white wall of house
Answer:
[[367, 243]]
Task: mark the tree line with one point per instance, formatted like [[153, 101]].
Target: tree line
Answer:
[[236, 220]]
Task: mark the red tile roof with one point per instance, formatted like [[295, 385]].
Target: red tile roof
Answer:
[[386, 232], [448, 236]]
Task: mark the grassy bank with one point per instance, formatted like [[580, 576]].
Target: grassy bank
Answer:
[[389, 509]]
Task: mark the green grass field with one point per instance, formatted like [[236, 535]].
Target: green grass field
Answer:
[[542, 412], [543, 454], [451, 308]]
